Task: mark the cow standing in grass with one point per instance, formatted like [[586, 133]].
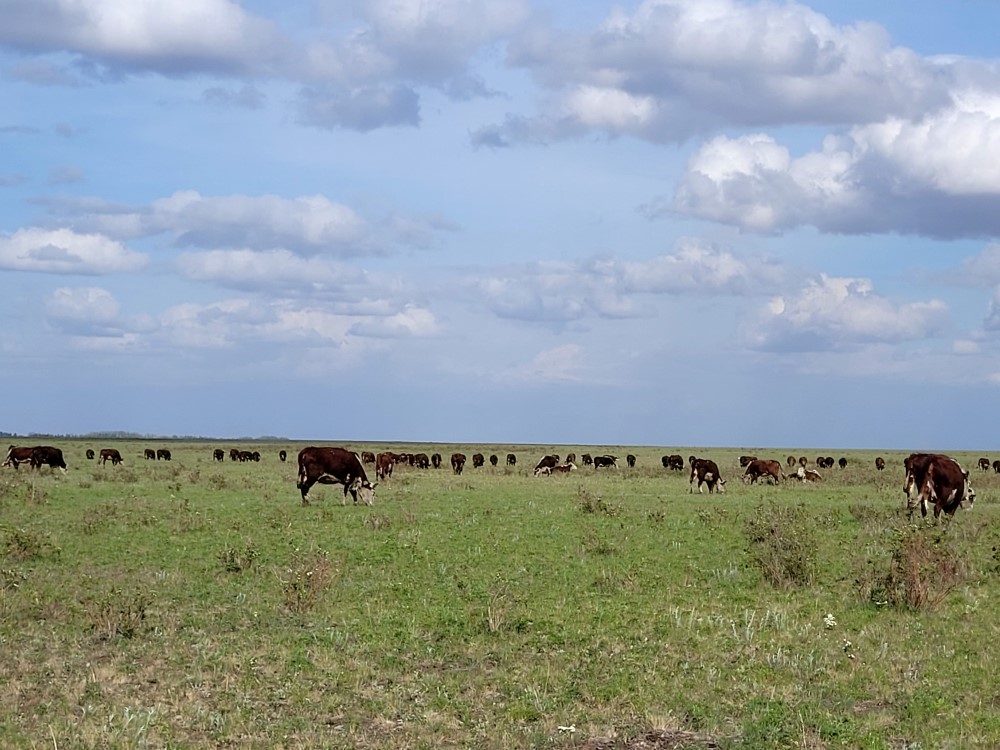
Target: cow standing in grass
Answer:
[[706, 472], [18, 455], [334, 466], [763, 468], [112, 455], [936, 480]]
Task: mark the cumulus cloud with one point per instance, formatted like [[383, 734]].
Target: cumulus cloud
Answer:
[[560, 363], [411, 322], [273, 270], [65, 251], [831, 313], [363, 108]]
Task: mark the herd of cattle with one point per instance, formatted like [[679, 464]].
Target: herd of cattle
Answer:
[[931, 480]]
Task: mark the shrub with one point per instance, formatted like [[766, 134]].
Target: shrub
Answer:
[[236, 560], [118, 614], [782, 542], [305, 580], [24, 544]]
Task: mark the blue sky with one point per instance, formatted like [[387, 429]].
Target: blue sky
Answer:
[[662, 222]]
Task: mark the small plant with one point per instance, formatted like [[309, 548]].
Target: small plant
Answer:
[[118, 614], [306, 579], [377, 522], [496, 605], [591, 503], [782, 542], [236, 560], [24, 544]]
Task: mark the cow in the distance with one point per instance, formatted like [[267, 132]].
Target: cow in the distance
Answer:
[[494, 460], [234, 454], [561, 469], [511, 459], [605, 461], [149, 454], [630, 460], [112, 455], [282, 456], [546, 463], [791, 461], [46, 455], [436, 460], [570, 458], [674, 462], [334, 466], [706, 472], [383, 465], [587, 460], [880, 463], [367, 457], [996, 466], [421, 461], [936, 480], [984, 464], [745, 460], [843, 463], [18, 455], [807, 475], [457, 462], [218, 455], [763, 468], [478, 460], [90, 454], [162, 453]]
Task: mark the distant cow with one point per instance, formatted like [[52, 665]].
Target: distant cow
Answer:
[[843, 463], [457, 462], [334, 466], [421, 461], [587, 460], [436, 460], [803, 461], [934, 479], [745, 460], [494, 460], [511, 459], [282, 455], [234, 454], [560, 469], [880, 463], [46, 455], [162, 453], [570, 458], [984, 464], [706, 472], [630, 460], [367, 457], [149, 454], [219, 455], [383, 466], [996, 466], [90, 454], [807, 475], [825, 462], [478, 460], [791, 461], [112, 455], [546, 463], [763, 468], [609, 461], [18, 455]]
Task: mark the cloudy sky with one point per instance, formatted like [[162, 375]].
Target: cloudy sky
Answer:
[[662, 222]]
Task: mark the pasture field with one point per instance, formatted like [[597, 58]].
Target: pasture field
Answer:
[[193, 604]]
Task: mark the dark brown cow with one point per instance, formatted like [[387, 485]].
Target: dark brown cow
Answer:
[[334, 466], [608, 461], [255, 456], [938, 480], [880, 463], [282, 456], [436, 460], [984, 464], [421, 461], [587, 460], [367, 457], [511, 459], [745, 460], [112, 455], [162, 453], [234, 454], [18, 455], [996, 466], [674, 462], [791, 461], [843, 463], [457, 462], [546, 463], [763, 468], [46, 455], [494, 459], [825, 462], [149, 454], [571, 458], [707, 472], [803, 461], [478, 460], [90, 454], [630, 460], [383, 465], [219, 455]]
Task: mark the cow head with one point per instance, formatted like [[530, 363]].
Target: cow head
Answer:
[[720, 486]]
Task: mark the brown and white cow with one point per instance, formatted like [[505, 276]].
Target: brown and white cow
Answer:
[[546, 463], [112, 455], [162, 453], [478, 460], [880, 463], [282, 456], [608, 461], [46, 455], [984, 464], [706, 472], [334, 466], [383, 465], [457, 462], [937, 480], [494, 459], [630, 461], [218, 455], [18, 455], [560, 469], [436, 460], [763, 468], [511, 459], [90, 454], [807, 475], [367, 457]]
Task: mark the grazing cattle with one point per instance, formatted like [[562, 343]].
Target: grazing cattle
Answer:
[[219, 455], [149, 454], [807, 475], [255, 456], [938, 480], [494, 460], [282, 455], [706, 472], [383, 466], [334, 466], [367, 457], [112, 455], [421, 461], [90, 454], [996, 466], [546, 463], [803, 461], [609, 461], [791, 461], [880, 463], [843, 463], [745, 460], [511, 459], [234, 454], [457, 462], [571, 458], [587, 460], [46, 455], [674, 462], [984, 464], [436, 460], [763, 468], [478, 460], [162, 453], [630, 460], [17, 456]]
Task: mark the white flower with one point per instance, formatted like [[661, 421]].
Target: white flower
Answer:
[[829, 621], [571, 729]]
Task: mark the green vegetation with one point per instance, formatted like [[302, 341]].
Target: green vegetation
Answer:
[[196, 604]]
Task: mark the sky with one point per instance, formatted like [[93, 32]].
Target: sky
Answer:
[[666, 222]]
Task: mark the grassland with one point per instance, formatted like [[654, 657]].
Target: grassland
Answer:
[[193, 604]]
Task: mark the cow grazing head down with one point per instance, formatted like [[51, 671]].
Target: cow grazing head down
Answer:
[[706, 471], [936, 480], [334, 466]]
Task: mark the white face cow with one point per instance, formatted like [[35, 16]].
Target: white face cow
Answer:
[[364, 490]]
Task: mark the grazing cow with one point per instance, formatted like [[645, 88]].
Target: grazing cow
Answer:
[[219, 455], [934, 479], [545, 464], [707, 472], [587, 460], [421, 461], [90, 454], [763, 468], [791, 461], [112, 455], [984, 464], [630, 460], [46, 455], [367, 457], [383, 465], [996, 466], [436, 460], [803, 461], [334, 466], [494, 460], [511, 459], [610, 461], [478, 460], [745, 460], [571, 458], [807, 475], [17, 456], [149, 454], [829, 462], [880, 463], [674, 462], [162, 453], [234, 454], [842, 462], [255, 456], [457, 462], [282, 455]]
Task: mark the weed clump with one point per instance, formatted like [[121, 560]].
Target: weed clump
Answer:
[[306, 579], [118, 614], [23, 544], [782, 542], [236, 560], [591, 503]]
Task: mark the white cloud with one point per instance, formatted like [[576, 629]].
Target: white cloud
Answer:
[[67, 252], [267, 271], [410, 322], [87, 304], [560, 363]]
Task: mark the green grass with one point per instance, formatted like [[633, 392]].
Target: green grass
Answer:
[[197, 604]]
